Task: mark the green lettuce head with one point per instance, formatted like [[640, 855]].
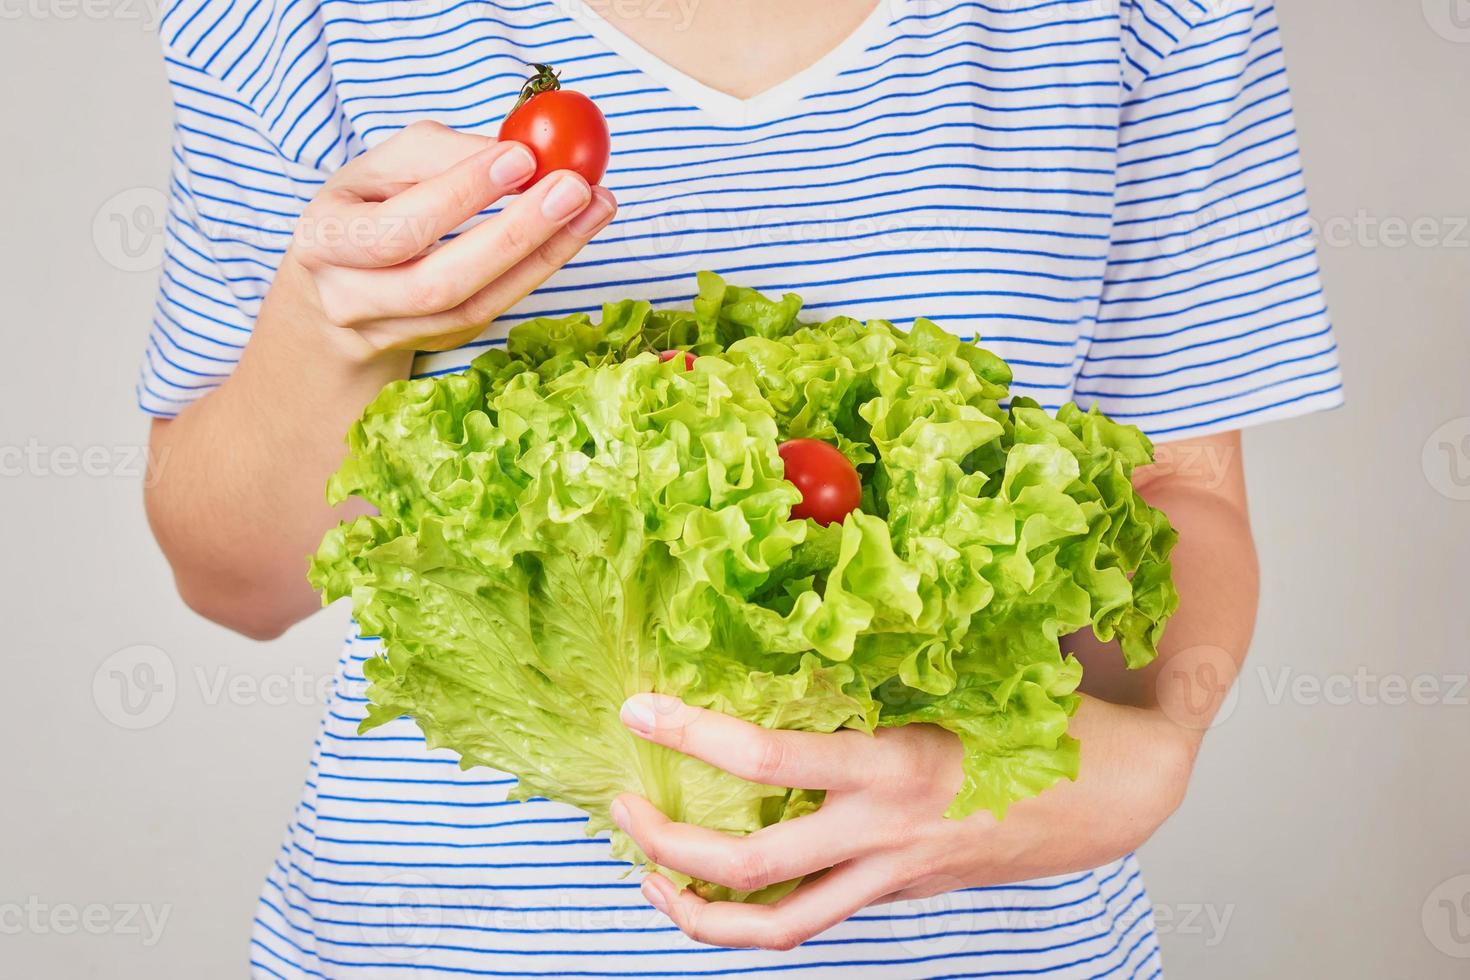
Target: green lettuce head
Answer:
[[573, 520]]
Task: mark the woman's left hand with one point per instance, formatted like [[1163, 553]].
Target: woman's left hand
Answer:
[[881, 834]]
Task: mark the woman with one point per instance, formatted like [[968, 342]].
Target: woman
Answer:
[[1111, 198]]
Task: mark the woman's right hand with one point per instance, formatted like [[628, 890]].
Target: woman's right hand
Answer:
[[364, 283], [366, 263]]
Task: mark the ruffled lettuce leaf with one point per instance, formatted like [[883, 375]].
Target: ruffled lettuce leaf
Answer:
[[571, 521]]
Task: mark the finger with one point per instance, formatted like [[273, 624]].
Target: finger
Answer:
[[456, 327], [813, 908], [343, 230], [780, 852], [449, 276], [806, 760], [525, 276], [414, 153]]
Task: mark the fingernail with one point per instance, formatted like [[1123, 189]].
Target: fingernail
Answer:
[[566, 197], [512, 166], [593, 215], [637, 714], [655, 897], [620, 815]]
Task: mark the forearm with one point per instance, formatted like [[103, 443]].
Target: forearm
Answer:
[[237, 500], [1134, 772], [237, 494], [1206, 641], [1140, 730], [881, 833]]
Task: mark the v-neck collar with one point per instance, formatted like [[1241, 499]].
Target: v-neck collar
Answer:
[[723, 107]]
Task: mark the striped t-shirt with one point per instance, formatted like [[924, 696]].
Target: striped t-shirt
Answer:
[[1111, 197]]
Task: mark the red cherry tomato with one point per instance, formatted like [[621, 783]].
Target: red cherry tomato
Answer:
[[564, 129], [669, 355], [829, 484]]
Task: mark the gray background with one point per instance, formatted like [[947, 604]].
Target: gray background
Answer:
[[1326, 832]]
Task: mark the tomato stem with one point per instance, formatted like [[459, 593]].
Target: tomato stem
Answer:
[[545, 79]]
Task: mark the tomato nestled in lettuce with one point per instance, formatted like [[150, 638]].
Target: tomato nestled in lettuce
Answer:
[[572, 520]]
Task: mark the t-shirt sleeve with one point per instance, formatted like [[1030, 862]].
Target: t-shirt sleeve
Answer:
[[248, 154], [1212, 316]]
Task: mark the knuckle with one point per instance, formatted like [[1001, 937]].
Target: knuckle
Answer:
[[480, 310], [691, 921], [307, 256], [652, 846], [338, 310], [783, 939], [422, 128], [305, 245], [382, 250], [748, 870], [459, 320], [423, 295], [770, 759], [555, 252], [515, 238], [673, 730], [893, 762], [462, 197]]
